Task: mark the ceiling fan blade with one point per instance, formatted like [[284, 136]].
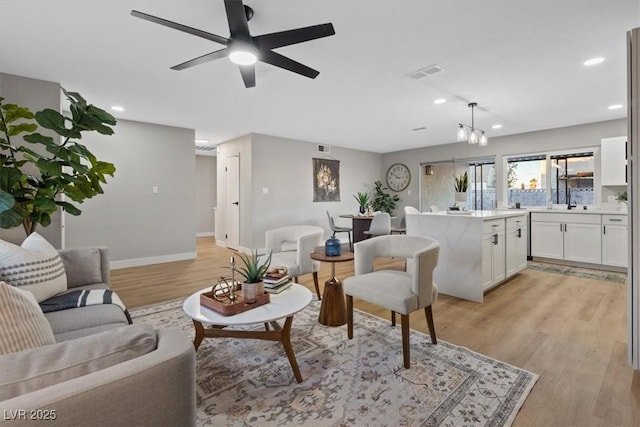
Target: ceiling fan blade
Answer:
[[201, 59], [281, 61], [180, 27], [237, 19], [248, 73], [289, 37]]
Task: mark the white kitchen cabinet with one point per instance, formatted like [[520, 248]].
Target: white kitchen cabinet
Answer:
[[571, 237], [493, 253], [615, 243], [613, 161], [515, 245]]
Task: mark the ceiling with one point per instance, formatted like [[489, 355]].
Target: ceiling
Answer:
[[521, 61]]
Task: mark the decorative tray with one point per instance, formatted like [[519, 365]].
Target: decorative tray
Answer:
[[227, 308]]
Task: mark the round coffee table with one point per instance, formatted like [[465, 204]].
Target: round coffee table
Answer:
[[282, 305], [333, 311]]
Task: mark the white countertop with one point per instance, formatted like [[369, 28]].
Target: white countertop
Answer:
[[480, 214], [593, 211]]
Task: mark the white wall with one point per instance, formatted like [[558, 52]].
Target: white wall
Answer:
[[580, 136], [140, 227], [205, 187], [284, 166]]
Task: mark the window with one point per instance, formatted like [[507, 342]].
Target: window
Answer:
[[527, 180], [572, 179], [563, 178]]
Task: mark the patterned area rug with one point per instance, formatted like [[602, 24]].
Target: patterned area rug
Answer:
[[359, 382], [587, 273]]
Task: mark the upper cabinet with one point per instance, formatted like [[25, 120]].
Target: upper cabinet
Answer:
[[613, 158]]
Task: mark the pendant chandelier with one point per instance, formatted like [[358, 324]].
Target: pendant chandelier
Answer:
[[471, 134]]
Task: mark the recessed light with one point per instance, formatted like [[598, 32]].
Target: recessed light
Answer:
[[202, 141], [440, 101], [615, 107], [496, 127], [594, 61], [117, 108]]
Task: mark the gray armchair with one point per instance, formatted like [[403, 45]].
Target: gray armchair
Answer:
[[399, 291], [291, 246]]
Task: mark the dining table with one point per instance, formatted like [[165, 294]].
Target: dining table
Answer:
[[360, 224]]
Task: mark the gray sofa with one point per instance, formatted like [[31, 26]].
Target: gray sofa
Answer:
[[153, 386]]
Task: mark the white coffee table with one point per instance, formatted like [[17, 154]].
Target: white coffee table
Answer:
[[282, 305]]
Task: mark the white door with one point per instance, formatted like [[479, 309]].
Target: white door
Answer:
[[498, 256], [516, 250], [615, 247], [582, 243], [232, 180], [546, 239]]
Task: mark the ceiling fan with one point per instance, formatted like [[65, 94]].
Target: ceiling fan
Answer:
[[244, 49]]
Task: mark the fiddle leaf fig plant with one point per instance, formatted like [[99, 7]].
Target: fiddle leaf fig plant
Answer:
[[383, 201], [36, 169]]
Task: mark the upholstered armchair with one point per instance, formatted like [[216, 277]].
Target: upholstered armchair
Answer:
[[399, 291], [291, 246]]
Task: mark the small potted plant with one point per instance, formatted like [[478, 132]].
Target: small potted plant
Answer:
[[253, 271], [460, 186], [363, 200]]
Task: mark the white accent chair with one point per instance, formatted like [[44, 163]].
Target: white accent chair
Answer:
[[338, 229], [380, 225], [291, 246], [435, 208], [410, 210], [399, 291]]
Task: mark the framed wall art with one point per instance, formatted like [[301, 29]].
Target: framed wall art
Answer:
[[326, 180]]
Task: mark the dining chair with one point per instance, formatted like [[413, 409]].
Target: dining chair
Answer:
[[399, 291], [380, 225], [410, 210], [402, 228], [338, 229], [291, 246]]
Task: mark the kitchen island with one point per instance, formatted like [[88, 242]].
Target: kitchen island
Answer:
[[478, 249]]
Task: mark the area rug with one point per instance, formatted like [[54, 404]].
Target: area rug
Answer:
[[358, 382], [587, 273]]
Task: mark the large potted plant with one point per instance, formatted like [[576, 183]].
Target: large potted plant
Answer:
[[36, 169], [383, 201], [253, 270]]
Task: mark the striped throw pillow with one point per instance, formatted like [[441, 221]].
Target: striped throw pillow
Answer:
[[35, 266], [23, 323]]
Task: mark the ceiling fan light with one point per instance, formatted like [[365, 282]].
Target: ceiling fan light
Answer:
[[243, 57], [462, 133]]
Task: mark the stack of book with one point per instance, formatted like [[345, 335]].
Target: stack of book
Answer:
[[275, 282]]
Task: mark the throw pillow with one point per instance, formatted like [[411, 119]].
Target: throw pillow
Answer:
[[83, 267], [23, 323], [36, 369], [35, 266]]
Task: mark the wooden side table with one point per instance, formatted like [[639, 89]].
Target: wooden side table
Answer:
[[333, 311]]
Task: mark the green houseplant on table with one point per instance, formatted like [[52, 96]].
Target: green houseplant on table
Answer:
[[460, 186], [37, 170], [363, 200], [253, 270]]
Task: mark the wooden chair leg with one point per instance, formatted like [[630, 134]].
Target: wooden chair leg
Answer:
[[406, 354], [393, 318], [315, 282], [349, 316], [428, 312]]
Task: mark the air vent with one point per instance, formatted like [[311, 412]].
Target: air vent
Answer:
[[205, 147], [324, 148], [426, 72]]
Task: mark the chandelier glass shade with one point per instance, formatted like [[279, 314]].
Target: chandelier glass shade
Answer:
[[472, 134]]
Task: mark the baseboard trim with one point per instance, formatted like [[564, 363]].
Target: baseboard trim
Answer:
[[138, 262], [206, 234]]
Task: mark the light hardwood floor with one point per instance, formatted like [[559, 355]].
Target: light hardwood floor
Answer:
[[569, 330]]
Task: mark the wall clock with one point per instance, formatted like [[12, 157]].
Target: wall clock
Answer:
[[398, 177]]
